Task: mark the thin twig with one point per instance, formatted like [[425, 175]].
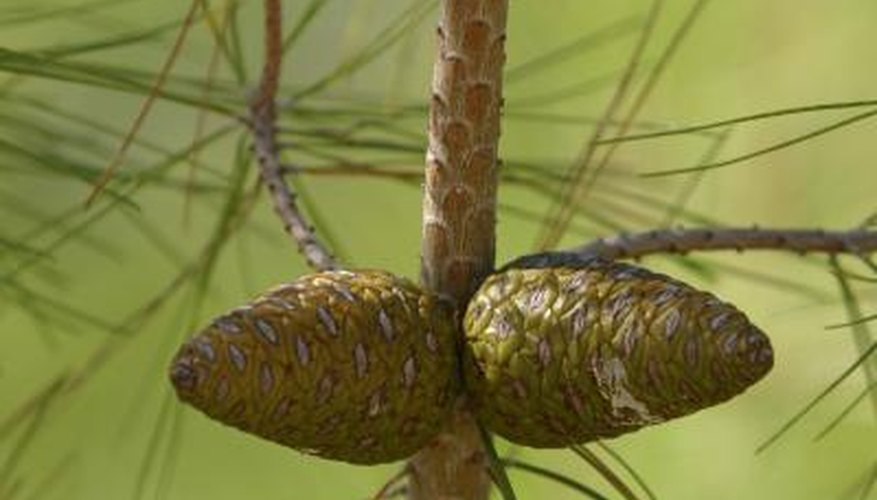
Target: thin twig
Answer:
[[682, 241], [262, 116]]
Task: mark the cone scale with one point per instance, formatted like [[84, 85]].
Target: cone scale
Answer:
[[361, 366], [352, 366], [571, 351]]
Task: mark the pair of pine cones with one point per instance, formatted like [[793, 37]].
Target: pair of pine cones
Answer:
[[365, 366]]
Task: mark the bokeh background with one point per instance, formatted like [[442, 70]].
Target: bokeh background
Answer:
[[74, 282]]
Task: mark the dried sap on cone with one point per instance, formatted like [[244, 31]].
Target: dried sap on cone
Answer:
[[353, 366], [568, 354]]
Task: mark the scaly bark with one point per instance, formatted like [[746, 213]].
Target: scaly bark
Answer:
[[459, 212]]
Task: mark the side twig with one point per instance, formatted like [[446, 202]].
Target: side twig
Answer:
[[681, 241], [262, 116]]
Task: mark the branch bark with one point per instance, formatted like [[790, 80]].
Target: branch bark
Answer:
[[681, 241], [459, 213], [263, 113]]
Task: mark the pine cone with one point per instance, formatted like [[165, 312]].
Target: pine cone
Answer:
[[593, 349], [354, 366]]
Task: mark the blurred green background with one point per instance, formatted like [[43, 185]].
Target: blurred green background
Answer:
[[71, 82]]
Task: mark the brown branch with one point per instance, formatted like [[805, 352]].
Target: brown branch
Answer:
[[459, 212], [262, 115], [681, 241]]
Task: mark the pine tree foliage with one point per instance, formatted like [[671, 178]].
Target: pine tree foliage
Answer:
[[618, 119]]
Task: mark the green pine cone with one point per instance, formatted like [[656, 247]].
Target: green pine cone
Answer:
[[353, 366], [593, 349]]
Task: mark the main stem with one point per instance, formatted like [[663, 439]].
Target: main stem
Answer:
[[459, 213]]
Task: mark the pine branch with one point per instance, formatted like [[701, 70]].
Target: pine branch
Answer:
[[682, 241], [262, 115], [459, 212]]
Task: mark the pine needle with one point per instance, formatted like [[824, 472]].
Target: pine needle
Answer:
[[146, 106], [496, 467], [819, 397], [692, 129], [768, 150], [597, 464], [869, 390], [554, 476], [630, 470], [576, 48]]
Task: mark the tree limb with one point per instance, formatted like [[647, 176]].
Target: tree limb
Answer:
[[262, 116], [681, 241]]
